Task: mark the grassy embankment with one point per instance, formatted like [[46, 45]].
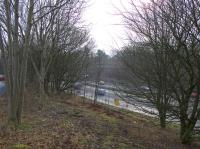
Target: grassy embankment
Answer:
[[66, 122]]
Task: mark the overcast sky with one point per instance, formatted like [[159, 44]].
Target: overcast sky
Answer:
[[104, 22]]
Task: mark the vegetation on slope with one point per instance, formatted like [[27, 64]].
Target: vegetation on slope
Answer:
[[67, 122]]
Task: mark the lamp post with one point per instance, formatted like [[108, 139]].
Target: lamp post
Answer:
[[85, 80]]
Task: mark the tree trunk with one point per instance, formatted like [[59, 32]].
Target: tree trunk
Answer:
[[95, 93], [15, 109], [12, 111], [187, 127], [84, 88], [186, 135], [162, 121], [162, 109], [46, 85], [41, 93]]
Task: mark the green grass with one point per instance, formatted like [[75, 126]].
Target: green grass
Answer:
[[20, 146], [25, 127]]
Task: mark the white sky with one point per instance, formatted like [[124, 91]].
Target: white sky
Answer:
[[103, 19]]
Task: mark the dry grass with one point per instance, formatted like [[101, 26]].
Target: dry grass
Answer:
[[66, 122]]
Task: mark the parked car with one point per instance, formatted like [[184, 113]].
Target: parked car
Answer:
[[2, 85], [77, 86], [145, 88], [2, 77], [194, 94], [101, 83]]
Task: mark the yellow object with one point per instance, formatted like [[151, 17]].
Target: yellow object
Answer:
[[20, 146], [117, 103]]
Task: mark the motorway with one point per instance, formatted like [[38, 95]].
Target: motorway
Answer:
[[110, 96]]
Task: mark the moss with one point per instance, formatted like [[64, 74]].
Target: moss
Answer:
[[139, 146], [107, 142], [123, 146], [110, 119], [83, 141], [174, 125], [66, 124], [24, 127], [20, 146]]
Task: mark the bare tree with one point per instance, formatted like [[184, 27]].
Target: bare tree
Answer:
[[185, 64], [55, 34], [147, 60], [17, 19], [68, 64], [146, 80], [171, 26], [15, 30]]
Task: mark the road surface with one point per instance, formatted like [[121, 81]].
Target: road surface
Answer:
[[110, 97]]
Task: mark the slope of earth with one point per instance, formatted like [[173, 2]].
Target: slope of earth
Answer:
[[65, 122]]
